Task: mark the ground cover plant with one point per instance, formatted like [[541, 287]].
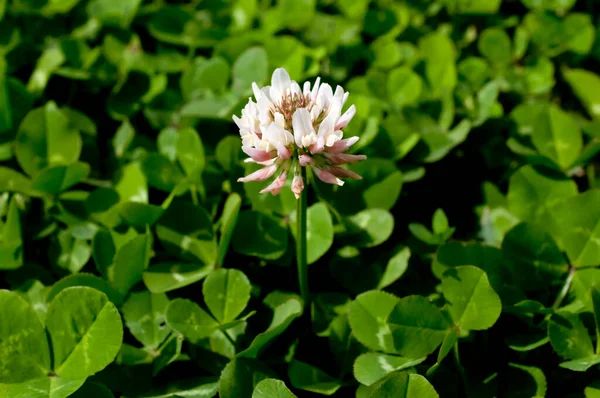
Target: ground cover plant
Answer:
[[464, 263]]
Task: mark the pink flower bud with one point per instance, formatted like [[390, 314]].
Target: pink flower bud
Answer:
[[327, 177], [297, 185], [343, 158], [342, 145], [260, 175], [343, 173], [304, 160]]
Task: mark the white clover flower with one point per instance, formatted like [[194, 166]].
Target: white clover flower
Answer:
[[289, 127]]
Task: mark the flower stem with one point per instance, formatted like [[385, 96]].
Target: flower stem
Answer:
[[301, 243]]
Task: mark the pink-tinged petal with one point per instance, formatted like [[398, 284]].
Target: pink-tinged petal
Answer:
[[302, 124], [297, 185], [277, 184], [345, 118], [327, 177], [260, 175], [318, 146], [343, 158], [265, 163], [342, 145], [257, 155], [343, 173], [304, 160], [282, 151]]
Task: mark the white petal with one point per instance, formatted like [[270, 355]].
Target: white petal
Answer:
[[279, 119], [276, 134], [315, 90], [295, 88], [306, 88], [280, 82], [325, 96], [302, 123], [256, 90], [327, 125]]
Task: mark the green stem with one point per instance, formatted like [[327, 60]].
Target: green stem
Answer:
[[301, 243], [461, 370], [565, 289]]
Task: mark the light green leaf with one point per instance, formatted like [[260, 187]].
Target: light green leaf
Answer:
[[93, 390], [417, 326], [494, 44], [557, 135], [368, 316], [395, 268], [582, 364], [199, 387], [257, 234], [229, 218], [140, 215], [526, 381], [404, 86], [190, 152], [23, 344], [309, 378], [241, 376], [402, 385], [286, 308], [440, 222], [86, 332], [569, 336], [186, 231], [46, 137], [144, 314], [272, 388], [440, 67], [531, 194], [71, 254], [168, 353], [586, 86], [11, 241], [372, 366], [575, 224], [249, 67], [535, 259], [164, 277], [187, 318], [226, 294], [473, 304], [123, 138], [319, 231], [56, 179], [161, 173], [13, 181], [84, 279], [44, 387], [370, 227], [203, 75], [130, 263]]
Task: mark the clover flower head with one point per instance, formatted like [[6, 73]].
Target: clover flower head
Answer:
[[289, 127]]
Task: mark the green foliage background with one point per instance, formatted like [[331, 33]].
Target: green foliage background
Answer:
[[463, 265]]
